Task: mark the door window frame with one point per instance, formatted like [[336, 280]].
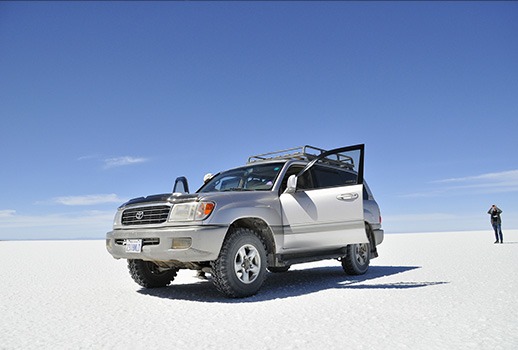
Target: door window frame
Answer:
[[338, 152]]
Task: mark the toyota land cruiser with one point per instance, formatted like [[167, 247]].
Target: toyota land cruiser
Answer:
[[281, 208]]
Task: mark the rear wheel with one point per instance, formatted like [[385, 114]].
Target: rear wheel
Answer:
[[240, 268], [149, 275], [357, 260]]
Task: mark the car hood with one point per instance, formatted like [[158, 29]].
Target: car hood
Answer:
[[163, 197], [182, 198]]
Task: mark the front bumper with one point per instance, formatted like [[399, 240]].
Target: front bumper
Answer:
[[157, 243]]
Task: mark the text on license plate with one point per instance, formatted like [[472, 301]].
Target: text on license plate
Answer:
[[133, 245]]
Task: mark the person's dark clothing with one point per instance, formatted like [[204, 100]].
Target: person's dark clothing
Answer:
[[496, 222]]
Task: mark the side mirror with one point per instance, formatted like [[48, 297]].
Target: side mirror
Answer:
[[292, 184], [181, 185]]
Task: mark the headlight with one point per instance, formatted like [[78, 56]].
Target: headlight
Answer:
[[191, 211]]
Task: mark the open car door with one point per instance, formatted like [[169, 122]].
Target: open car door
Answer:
[[323, 204]]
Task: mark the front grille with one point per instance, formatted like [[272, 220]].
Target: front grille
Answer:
[[145, 215]]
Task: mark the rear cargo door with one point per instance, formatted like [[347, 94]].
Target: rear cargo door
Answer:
[[326, 210]]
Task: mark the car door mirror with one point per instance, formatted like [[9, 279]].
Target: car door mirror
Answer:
[[291, 186], [181, 185]]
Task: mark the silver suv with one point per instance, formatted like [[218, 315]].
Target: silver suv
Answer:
[[282, 208]]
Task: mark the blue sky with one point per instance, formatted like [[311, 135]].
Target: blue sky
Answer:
[[101, 102]]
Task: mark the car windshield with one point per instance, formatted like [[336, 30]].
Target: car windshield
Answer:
[[250, 178]]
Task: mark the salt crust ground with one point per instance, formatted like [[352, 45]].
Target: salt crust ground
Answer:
[[425, 291]]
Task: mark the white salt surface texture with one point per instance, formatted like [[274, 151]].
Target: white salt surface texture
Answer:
[[425, 291]]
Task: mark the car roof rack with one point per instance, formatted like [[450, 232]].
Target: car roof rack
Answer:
[[306, 153]]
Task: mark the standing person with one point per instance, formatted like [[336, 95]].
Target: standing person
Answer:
[[496, 222]]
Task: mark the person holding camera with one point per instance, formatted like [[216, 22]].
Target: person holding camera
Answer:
[[496, 222]]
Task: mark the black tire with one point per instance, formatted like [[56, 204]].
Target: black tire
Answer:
[[357, 260], [149, 275], [240, 269], [278, 269]]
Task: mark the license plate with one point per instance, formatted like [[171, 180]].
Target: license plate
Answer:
[[133, 245]]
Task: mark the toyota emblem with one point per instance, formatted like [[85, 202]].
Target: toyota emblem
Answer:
[[139, 215]]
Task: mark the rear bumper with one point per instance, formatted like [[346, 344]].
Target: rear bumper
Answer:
[[378, 235], [159, 244]]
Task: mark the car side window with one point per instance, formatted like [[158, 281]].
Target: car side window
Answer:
[[304, 182], [328, 177]]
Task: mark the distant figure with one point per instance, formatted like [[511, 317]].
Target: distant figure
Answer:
[[496, 222]]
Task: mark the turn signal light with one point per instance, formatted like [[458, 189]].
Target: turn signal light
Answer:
[[204, 209]]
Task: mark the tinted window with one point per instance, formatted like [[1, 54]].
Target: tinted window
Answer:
[[329, 177], [304, 182]]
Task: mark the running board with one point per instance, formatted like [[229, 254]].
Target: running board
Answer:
[[292, 259]]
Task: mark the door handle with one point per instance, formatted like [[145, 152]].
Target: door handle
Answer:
[[347, 196]]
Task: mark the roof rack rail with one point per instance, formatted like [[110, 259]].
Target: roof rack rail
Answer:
[[306, 153]]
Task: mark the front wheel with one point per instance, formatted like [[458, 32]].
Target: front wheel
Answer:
[[240, 268], [149, 275], [357, 260]]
